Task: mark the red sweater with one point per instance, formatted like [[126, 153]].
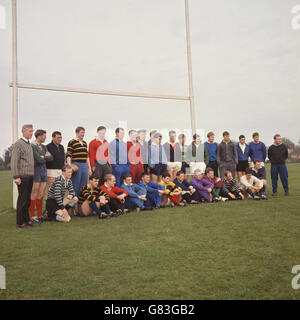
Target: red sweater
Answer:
[[216, 184], [134, 155], [99, 151], [113, 192]]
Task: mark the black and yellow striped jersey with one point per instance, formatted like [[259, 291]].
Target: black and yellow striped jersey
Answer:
[[77, 151], [86, 193]]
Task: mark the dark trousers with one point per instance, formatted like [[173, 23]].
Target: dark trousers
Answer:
[[115, 204], [280, 169], [146, 168], [184, 167], [187, 197], [214, 165], [228, 165], [101, 170], [224, 194], [23, 201]]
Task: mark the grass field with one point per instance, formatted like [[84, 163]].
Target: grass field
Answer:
[[236, 250]]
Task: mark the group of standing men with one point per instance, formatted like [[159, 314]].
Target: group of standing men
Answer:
[[112, 178]]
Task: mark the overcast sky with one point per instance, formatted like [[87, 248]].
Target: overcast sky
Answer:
[[245, 55]]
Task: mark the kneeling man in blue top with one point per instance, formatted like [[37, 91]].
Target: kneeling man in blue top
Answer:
[[187, 189], [154, 192], [243, 156], [119, 157], [136, 194], [277, 154]]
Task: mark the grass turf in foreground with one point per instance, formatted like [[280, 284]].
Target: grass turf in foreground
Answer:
[[236, 250]]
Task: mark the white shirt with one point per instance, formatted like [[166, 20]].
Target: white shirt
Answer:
[[242, 146], [26, 140], [250, 183]]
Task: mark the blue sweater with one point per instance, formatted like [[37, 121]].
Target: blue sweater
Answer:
[[184, 185], [212, 150], [242, 156], [151, 187], [134, 191], [257, 151]]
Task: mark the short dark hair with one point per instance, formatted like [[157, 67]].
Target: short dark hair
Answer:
[[248, 170], [152, 132], [130, 131], [226, 173], [179, 173], [39, 132], [242, 137], [276, 135], [118, 130], [157, 135], [78, 129], [182, 135], [171, 132], [65, 167], [255, 134], [225, 133], [195, 136], [166, 174], [256, 160], [56, 133], [210, 133], [93, 176], [145, 174], [127, 175], [208, 169], [108, 176], [101, 128]]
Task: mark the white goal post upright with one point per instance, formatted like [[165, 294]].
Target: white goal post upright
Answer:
[[15, 85]]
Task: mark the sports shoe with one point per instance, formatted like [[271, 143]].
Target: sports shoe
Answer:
[[104, 216], [194, 202], [256, 197], [119, 212], [287, 193], [113, 214], [23, 226], [224, 199], [32, 223], [274, 194], [148, 208], [264, 197], [35, 219], [138, 209]]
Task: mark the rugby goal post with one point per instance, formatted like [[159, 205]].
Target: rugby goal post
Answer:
[[16, 85]]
